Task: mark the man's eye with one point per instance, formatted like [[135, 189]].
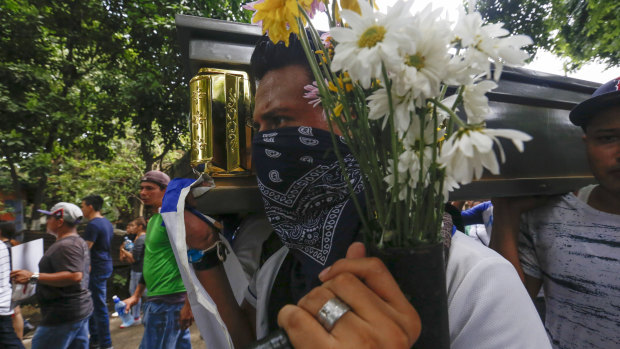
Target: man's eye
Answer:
[[277, 121], [608, 139]]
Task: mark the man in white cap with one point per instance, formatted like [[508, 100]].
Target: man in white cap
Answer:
[[62, 283], [570, 245]]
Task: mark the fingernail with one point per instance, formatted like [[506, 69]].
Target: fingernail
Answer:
[[323, 273]]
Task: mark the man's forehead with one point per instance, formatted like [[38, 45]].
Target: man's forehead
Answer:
[[608, 118], [148, 185]]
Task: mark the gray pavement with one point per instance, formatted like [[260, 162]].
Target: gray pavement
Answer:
[[129, 338]]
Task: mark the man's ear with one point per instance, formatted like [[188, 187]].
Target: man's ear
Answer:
[[584, 138]]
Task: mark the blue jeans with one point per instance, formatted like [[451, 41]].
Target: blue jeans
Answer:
[[134, 278], [65, 336], [8, 338], [161, 327], [99, 323]]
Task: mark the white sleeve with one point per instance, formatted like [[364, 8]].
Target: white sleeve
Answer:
[[491, 309]]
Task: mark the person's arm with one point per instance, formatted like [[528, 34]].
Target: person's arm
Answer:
[[135, 297], [137, 254], [238, 321], [186, 317], [505, 238], [380, 315], [90, 234], [59, 279], [474, 214], [126, 256], [121, 256]]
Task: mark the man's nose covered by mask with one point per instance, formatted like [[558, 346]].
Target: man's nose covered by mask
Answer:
[[305, 194]]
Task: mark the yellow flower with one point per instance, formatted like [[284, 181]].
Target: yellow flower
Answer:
[[352, 5], [279, 16], [344, 83], [338, 109]]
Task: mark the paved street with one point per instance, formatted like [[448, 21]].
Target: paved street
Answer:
[[129, 338]]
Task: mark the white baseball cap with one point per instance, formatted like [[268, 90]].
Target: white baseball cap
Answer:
[[65, 210]]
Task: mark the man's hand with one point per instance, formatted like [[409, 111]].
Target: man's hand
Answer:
[[21, 276], [186, 317], [130, 302], [121, 253], [380, 315]]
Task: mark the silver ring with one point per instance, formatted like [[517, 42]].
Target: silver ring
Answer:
[[331, 312]]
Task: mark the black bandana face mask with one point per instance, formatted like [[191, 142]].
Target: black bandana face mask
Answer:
[[305, 195]]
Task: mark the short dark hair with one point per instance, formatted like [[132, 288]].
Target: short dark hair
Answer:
[[7, 229], [70, 224], [140, 221], [95, 201], [268, 56]]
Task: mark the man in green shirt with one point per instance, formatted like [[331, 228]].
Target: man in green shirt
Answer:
[[166, 306]]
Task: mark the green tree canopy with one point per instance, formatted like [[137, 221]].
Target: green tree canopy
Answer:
[[79, 76], [57, 60], [579, 30], [157, 97]]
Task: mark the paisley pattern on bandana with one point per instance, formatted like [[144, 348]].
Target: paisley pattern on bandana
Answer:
[[309, 206]]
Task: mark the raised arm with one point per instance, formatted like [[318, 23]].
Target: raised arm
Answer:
[[238, 319], [505, 238]]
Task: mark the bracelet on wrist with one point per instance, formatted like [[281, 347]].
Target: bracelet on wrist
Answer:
[[208, 258]]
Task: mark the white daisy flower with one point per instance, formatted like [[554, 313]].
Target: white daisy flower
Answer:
[[424, 56], [449, 184], [468, 152], [489, 41], [475, 101], [409, 169], [414, 134], [379, 107], [370, 39]]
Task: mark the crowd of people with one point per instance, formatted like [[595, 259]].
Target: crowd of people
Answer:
[[568, 245]]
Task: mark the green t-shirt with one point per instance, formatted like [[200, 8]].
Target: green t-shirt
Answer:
[[160, 269]]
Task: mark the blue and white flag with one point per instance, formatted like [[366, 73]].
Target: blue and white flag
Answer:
[[208, 320]]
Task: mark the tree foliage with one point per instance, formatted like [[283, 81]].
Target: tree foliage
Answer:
[[53, 95], [117, 179], [157, 96], [579, 30], [80, 77]]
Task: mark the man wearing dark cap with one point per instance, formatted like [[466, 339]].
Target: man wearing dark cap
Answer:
[[570, 245], [62, 283], [166, 304]]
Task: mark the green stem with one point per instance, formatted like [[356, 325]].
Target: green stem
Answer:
[[320, 79], [450, 112], [394, 152]]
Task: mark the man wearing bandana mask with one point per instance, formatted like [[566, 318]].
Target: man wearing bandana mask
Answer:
[[308, 205]]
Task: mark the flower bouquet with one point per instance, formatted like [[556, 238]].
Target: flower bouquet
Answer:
[[393, 86]]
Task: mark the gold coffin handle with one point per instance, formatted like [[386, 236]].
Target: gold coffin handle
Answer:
[[220, 111]]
